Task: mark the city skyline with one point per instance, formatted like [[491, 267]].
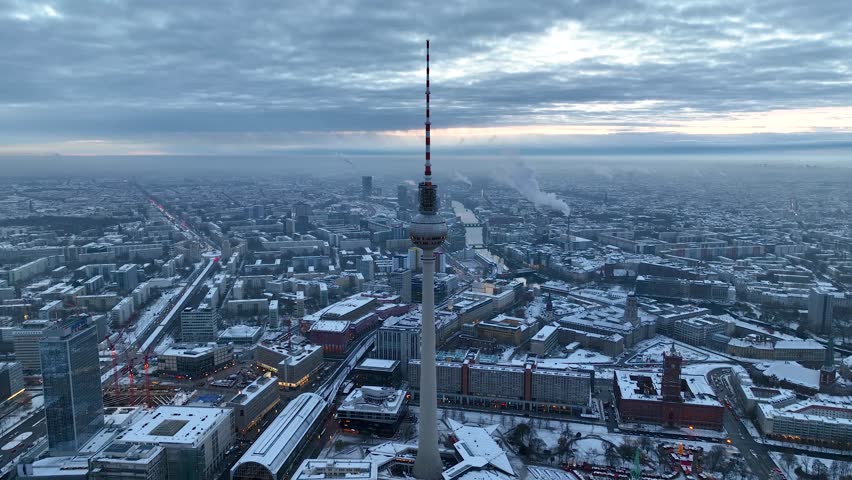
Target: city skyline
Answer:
[[590, 78]]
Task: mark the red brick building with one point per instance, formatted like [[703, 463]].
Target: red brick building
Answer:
[[670, 399]]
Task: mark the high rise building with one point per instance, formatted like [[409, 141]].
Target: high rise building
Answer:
[[11, 380], [199, 325], [127, 277], [26, 340], [428, 232], [73, 400], [414, 258], [820, 310], [400, 283], [366, 186], [402, 196]]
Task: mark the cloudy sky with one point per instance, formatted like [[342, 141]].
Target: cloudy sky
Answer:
[[84, 77]]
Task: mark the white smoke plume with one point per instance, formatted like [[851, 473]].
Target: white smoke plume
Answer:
[[521, 177], [410, 183], [459, 177]]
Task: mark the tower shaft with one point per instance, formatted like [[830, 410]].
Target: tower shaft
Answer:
[[427, 465]]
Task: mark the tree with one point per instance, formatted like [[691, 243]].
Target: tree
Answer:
[[611, 455], [713, 458], [645, 443], [789, 459], [627, 450], [563, 447], [818, 468], [520, 434]]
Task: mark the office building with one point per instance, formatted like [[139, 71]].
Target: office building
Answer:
[[293, 363], [699, 331], [11, 380], [331, 469], [400, 283], [544, 340], [127, 461], [195, 439], [199, 325], [253, 403], [26, 340], [825, 421], [820, 310], [127, 277], [366, 186], [195, 361], [402, 196], [506, 330], [73, 400], [372, 409], [526, 388]]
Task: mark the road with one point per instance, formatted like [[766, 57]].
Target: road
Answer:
[[756, 454], [35, 425]]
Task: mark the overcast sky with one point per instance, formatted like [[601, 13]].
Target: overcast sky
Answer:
[[83, 77]]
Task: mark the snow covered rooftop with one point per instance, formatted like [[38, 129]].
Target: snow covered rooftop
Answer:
[[794, 373], [255, 388], [332, 469], [635, 385], [478, 450], [373, 399], [284, 435], [337, 326], [175, 425]]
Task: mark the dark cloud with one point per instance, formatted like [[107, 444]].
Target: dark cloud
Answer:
[[169, 71]]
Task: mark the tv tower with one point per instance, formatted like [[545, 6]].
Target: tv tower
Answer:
[[428, 231]]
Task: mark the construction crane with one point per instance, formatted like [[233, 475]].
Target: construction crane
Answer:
[[132, 382], [147, 379]]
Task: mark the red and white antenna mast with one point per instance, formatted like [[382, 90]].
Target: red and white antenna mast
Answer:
[[428, 174]]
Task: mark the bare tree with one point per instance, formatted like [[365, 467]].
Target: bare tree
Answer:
[[714, 457], [611, 455], [789, 460]]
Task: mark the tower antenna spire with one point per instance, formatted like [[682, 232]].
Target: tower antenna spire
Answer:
[[428, 172]]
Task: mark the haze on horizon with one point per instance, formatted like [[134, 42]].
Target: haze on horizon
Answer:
[[748, 80]]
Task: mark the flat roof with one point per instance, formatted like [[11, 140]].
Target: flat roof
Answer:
[[373, 399], [333, 469], [242, 331], [252, 390], [190, 350], [171, 424], [330, 326], [378, 364]]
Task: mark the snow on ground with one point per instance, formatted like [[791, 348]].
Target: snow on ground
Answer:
[[21, 414], [651, 351], [545, 473], [807, 464], [16, 441]]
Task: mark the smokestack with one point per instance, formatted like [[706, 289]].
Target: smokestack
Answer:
[[428, 231]]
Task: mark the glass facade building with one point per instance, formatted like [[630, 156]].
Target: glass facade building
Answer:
[[73, 400]]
